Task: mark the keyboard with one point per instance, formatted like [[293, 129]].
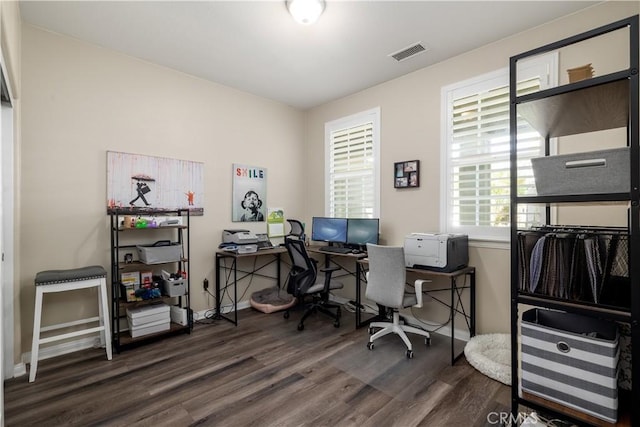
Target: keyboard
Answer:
[[264, 245], [336, 249]]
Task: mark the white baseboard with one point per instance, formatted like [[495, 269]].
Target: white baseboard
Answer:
[[54, 351], [19, 370]]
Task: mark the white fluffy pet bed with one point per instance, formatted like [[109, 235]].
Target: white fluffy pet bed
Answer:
[[491, 355]]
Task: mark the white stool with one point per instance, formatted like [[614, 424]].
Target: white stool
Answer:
[[68, 280]]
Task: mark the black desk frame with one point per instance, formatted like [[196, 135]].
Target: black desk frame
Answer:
[[456, 306], [231, 278], [333, 257]]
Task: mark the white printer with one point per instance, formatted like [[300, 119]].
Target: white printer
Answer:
[[441, 252], [240, 241], [239, 237]]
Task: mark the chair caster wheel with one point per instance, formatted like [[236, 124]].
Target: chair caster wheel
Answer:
[[427, 342], [286, 315], [370, 345], [336, 324], [409, 354], [300, 326]]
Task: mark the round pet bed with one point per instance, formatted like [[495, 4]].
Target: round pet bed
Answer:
[[271, 299], [491, 355]]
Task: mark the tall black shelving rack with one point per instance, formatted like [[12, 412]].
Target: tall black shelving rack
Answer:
[[620, 91], [125, 240]]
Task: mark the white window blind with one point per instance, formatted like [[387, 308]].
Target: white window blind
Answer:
[[351, 187], [477, 192]]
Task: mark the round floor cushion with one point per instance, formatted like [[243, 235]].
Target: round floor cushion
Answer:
[[491, 355], [271, 299]]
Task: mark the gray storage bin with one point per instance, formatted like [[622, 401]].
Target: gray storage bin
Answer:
[[571, 360], [160, 252], [594, 172], [174, 288]]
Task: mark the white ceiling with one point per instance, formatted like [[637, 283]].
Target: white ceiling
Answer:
[[255, 46]]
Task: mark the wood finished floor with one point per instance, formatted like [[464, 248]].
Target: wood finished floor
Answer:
[[261, 373]]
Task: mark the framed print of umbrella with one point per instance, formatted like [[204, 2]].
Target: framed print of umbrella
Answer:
[[137, 184]]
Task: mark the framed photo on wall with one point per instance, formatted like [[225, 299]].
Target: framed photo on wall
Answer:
[[406, 174]]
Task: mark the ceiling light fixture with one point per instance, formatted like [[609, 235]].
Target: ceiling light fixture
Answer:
[[305, 12]]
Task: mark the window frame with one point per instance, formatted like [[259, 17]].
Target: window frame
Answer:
[[354, 120], [546, 66]]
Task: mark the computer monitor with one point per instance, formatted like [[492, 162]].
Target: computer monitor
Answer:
[[361, 231], [333, 230]]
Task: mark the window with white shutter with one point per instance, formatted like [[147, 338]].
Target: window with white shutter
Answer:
[[476, 195], [352, 178]]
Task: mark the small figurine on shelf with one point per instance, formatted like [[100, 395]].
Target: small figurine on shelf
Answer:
[[141, 222]]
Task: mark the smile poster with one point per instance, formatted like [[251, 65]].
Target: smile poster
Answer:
[[249, 193]]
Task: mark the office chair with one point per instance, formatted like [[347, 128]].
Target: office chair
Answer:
[[297, 229], [386, 281], [304, 281]]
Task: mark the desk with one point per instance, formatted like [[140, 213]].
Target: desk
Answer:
[[456, 305], [332, 257], [231, 278]]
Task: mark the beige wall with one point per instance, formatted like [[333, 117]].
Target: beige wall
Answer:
[[81, 100], [410, 129]]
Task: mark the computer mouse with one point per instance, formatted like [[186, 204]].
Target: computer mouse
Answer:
[[355, 251]]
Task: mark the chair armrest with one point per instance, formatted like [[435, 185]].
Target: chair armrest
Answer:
[[330, 269], [418, 287], [327, 276]]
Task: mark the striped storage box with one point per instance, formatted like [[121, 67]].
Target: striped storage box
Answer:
[[572, 360]]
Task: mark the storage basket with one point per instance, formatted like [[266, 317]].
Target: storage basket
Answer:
[[174, 288], [572, 360], [594, 172], [160, 252]]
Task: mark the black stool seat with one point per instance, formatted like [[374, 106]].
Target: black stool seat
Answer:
[[49, 277]]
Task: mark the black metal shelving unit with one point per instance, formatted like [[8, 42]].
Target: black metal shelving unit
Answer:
[[124, 240], [600, 103]]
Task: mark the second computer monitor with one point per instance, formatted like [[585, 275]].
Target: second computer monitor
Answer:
[[361, 231], [333, 230]]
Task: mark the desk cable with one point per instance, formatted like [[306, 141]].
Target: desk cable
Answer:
[[424, 324]]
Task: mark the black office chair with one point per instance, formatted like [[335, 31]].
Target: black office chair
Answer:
[[304, 282], [297, 229]]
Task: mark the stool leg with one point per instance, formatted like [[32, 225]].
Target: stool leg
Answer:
[[35, 343], [104, 317]]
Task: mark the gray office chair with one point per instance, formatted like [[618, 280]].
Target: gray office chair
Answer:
[[386, 281]]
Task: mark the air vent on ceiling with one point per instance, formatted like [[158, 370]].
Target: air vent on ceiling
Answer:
[[408, 52]]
